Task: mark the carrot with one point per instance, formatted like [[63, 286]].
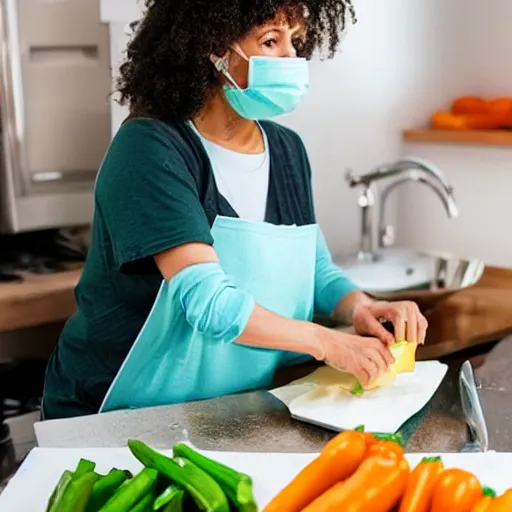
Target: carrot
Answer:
[[502, 503], [338, 460], [376, 486], [456, 491]]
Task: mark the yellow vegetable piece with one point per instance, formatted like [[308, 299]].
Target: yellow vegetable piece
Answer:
[[404, 353], [328, 379]]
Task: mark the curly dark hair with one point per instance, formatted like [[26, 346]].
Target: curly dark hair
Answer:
[[167, 73]]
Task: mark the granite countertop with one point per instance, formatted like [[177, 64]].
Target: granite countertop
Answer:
[[259, 422]]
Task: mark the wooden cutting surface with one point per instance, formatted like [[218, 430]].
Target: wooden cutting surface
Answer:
[[474, 316]]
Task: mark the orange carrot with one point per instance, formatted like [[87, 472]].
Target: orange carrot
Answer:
[[420, 487], [376, 486], [338, 460]]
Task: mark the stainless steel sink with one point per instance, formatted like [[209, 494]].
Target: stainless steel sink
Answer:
[[395, 273]]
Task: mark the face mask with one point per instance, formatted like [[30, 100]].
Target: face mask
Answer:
[[276, 86]]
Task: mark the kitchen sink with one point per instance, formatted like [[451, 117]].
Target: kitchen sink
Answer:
[[394, 273]]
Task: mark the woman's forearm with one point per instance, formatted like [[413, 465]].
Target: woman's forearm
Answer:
[[345, 307], [271, 331]]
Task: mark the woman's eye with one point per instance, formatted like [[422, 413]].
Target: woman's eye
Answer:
[[270, 43]]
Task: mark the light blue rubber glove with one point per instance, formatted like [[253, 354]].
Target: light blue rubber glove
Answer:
[[213, 305]]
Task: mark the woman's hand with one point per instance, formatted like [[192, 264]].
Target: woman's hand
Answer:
[[407, 320], [365, 358]]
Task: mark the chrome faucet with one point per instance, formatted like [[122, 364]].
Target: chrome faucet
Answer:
[[405, 170]]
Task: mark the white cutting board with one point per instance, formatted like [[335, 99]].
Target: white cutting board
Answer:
[[30, 488], [382, 410]]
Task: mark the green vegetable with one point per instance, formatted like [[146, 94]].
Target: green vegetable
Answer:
[[84, 466], [171, 500], [132, 492], [358, 389], [77, 493], [237, 486], [360, 428], [105, 488], [58, 492], [176, 505], [167, 496], [204, 490], [145, 504]]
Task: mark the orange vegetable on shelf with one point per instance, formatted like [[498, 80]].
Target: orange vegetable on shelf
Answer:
[[447, 121], [339, 460], [469, 105], [376, 486], [450, 121], [501, 108], [456, 491], [420, 487]]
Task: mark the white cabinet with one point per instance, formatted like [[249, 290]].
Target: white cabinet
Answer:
[[119, 14]]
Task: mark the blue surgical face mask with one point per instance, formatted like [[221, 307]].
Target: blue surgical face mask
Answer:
[[276, 86]]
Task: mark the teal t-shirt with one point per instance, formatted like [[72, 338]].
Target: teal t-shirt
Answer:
[[155, 191]]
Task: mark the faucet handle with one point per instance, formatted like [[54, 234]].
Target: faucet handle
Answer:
[[351, 179], [387, 235]]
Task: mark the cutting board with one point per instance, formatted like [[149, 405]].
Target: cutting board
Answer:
[[30, 488], [382, 410]]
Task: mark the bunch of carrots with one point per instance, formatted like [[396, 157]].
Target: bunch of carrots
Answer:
[[474, 113], [363, 472]]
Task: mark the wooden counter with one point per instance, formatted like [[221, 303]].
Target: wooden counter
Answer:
[[38, 300]]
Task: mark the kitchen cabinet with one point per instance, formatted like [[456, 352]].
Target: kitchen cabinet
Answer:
[[55, 119]]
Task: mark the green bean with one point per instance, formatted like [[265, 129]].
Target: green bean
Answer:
[[203, 489], [132, 492]]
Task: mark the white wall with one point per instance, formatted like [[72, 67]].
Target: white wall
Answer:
[[360, 102], [474, 57]]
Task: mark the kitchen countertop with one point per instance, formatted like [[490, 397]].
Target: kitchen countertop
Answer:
[[259, 422], [37, 300]]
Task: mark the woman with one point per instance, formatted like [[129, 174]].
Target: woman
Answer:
[[206, 265]]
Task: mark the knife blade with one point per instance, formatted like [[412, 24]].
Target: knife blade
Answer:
[[472, 409]]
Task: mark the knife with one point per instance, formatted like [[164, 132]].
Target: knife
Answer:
[[473, 413]]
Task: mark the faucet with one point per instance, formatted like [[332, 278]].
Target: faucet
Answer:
[[405, 170]]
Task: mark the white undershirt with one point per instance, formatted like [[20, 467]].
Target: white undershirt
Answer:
[[242, 179]]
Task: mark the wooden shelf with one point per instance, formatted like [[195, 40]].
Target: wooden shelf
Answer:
[[37, 300], [501, 138]]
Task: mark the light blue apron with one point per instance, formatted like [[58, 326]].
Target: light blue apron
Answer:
[[171, 363]]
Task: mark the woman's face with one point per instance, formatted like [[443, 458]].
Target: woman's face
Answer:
[[274, 39]]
